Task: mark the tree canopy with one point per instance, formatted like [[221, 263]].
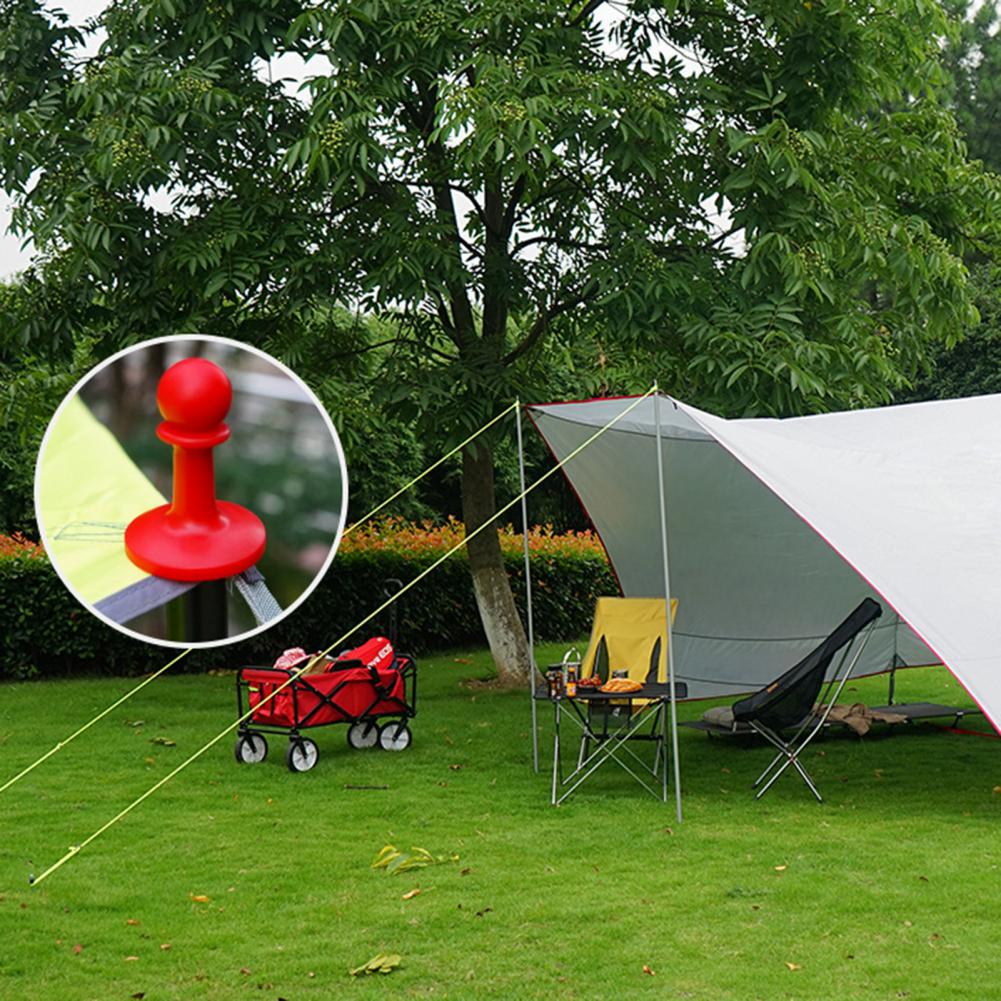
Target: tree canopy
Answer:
[[723, 183]]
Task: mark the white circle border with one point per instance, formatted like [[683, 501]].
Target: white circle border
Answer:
[[310, 395]]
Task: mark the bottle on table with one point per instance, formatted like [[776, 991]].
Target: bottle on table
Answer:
[[555, 680]]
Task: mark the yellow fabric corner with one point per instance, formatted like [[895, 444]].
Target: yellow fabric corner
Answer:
[[88, 491], [631, 628]]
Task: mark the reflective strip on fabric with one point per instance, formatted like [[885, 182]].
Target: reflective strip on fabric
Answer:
[[88, 491]]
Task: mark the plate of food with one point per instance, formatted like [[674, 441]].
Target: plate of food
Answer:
[[621, 686]]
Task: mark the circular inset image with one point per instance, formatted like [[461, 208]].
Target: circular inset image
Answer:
[[191, 491]]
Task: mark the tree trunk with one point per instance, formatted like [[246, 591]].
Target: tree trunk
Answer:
[[501, 623]]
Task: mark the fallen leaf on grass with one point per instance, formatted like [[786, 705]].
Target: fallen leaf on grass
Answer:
[[454, 768], [465, 872], [781, 868], [646, 969], [461, 660], [382, 963], [149, 761], [393, 860], [131, 959], [410, 894], [486, 910], [131, 921], [245, 971], [199, 898], [77, 949], [792, 966], [996, 790], [138, 996], [134, 722], [165, 946], [163, 741]]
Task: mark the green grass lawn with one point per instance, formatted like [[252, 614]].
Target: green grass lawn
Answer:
[[890, 889]]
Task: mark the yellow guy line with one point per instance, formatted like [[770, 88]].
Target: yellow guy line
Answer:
[[433, 466], [58, 747], [76, 849], [128, 695]]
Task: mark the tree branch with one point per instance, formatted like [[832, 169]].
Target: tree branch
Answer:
[[517, 190], [585, 12], [543, 320], [559, 242]]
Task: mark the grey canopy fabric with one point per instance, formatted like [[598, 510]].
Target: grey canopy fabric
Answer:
[[758, 584]]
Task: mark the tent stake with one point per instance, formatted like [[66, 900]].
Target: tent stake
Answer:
[[528, 592], [667, 607]]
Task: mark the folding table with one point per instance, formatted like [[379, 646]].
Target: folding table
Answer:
[[623, 717]]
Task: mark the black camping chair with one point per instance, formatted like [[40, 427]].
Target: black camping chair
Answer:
[[789, 700]]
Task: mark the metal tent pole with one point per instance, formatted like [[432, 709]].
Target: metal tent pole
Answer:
[[667, 606], [528, 593]]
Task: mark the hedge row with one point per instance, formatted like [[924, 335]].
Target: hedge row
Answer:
[[46, 632]]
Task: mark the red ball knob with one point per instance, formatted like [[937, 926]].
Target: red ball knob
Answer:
[[195, 394], [196, 536]]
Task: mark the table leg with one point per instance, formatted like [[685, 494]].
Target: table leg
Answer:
[[663, 748], [556, 749]]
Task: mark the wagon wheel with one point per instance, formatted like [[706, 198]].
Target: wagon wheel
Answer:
[[395, 736], [363, 735], [250, 749], [301, 754]]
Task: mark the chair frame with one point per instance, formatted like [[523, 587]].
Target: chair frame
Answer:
[[789, 751]]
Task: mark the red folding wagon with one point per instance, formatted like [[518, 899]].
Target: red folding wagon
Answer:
[[371, 688]]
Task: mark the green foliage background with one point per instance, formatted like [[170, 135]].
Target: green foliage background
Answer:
[[46, 633]]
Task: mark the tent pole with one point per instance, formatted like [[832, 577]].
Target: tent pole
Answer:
[[667, 606], [528, 593]]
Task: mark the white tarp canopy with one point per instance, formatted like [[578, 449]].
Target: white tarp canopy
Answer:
[[778, 528]]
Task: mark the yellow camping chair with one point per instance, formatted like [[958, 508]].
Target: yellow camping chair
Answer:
[[630, 635]]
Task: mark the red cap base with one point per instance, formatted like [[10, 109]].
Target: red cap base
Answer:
[[183, 550]]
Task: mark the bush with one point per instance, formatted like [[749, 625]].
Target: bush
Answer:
[[47, 632], [568, 572]]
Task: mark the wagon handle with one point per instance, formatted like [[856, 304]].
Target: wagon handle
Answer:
[[391, 587]]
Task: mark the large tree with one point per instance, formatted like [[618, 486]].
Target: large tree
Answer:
[[764, 198]]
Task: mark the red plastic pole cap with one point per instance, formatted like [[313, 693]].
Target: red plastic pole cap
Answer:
[[195, 537]]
